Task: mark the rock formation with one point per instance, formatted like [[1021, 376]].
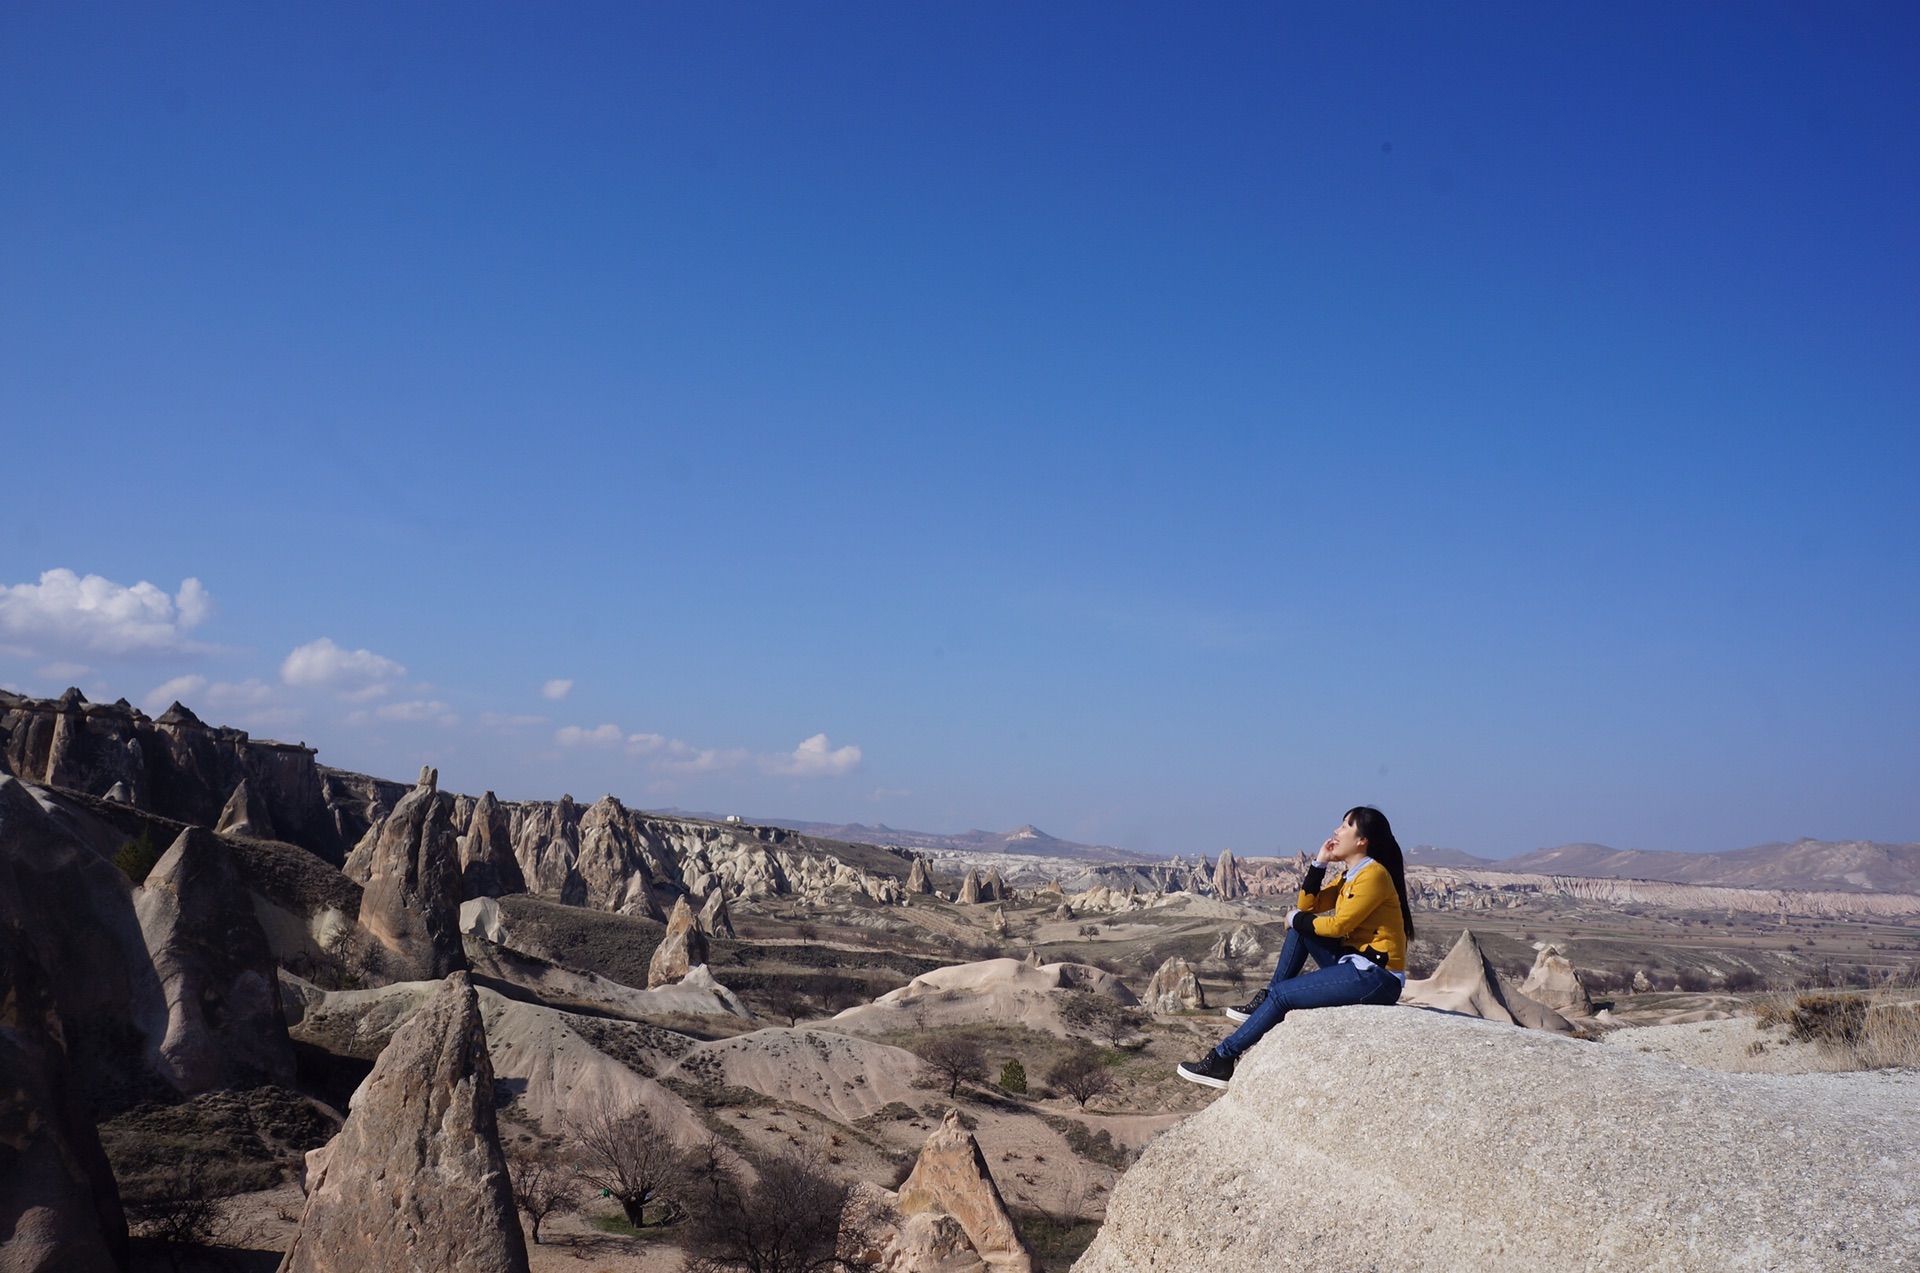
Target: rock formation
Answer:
[[684, 947], [245, 814], [172, 765], [416, 1178], [1238, 943], [993, 886], [1063, 911], [1227, 884], [948, 1215], [1001, 927], [715, 920], [1175, 988], [920, 879], [970, 889], [225, 1026], [59, 1207], [411, 905], [487, 865], [1554, 982], [1508, 1150], [1467, 982]]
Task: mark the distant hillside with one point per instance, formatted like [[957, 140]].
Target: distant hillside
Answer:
[[1029, 841], [1427, 855], [1851, 866]]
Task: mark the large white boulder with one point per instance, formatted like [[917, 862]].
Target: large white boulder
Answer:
[[1373, 1138]]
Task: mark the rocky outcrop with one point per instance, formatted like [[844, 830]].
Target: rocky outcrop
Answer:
[[715, 920], [1175, 988], [1227, 882], [1479, 889], [1236, 945], [1001, 927], [59, 1207], [225, 1026], [993, 886], [683, 948], [70, 911], [245, 814], [970, 889], [920, 878], [948, 1217], [1509, 1151], [416, 1178], [411, 905], [1467, 982], [488, 867], [172, 765], [1553, 981]]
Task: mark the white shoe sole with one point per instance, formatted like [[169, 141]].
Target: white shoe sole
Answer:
[[1201, 1079], [1234, 1014]]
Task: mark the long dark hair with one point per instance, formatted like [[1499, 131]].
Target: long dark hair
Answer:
[[1384, 849]]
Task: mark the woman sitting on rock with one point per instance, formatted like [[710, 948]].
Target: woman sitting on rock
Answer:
[[1356, 930]]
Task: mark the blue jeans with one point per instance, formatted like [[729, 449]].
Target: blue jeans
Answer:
[[1335, 985]]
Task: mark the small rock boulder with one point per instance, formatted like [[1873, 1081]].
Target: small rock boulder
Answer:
[[947, 1216], [416, 1178], [684, 947], [1175, 988], [970, 888], [1239, 943], [920, 879]]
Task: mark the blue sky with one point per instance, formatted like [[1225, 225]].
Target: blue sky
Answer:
[[1166, 426]]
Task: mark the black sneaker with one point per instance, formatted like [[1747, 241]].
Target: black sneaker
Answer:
[[1245, 1010], [1212, 1069]]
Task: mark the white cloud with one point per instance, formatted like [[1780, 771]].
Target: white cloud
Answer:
[[178, 690], [354, 674], [500, 720], [65, 614], [816, 758], [430, 710], [601, 736], [556, 689]]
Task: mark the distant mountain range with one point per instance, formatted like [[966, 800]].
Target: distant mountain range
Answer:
[[1853, 866]]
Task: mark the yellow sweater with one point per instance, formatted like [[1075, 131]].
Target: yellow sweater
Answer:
[[1362, 911]]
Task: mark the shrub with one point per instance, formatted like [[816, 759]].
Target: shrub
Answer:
[[138, 856], [1013, 1077]]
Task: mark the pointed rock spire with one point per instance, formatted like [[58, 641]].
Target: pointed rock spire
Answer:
[[225, 1025], [245, 814], [714, 919], [411, 904], [1467, 982], [416, 1178], [684, 947], [951, 1178], [920, 879], [970, 888]]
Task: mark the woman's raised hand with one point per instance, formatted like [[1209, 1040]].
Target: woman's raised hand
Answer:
[[1326, 850]]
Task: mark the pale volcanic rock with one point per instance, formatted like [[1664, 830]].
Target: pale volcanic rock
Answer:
[[225, 1026], [714, 918], [1238, 943], [970, 889], [616, 865], [1466, 982], [1001, 927], [416, 1179], [1227, 883], [1555, 982], [1004, 990], [245, 814], [951, 1179], [684, 947], [1510, 1151], [1175, 988], [411, 905], [841, 1076], [993, 886], [488, 867], [920, 879]]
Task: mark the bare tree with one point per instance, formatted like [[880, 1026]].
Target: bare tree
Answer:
[[1099, 1016], [790, 1001], [957, 1060], [1082, 1075], [543, 1188], [631, 1158], [183, 1210], [786, 1221]]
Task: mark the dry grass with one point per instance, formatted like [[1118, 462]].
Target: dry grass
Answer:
[[1868, 1031]]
